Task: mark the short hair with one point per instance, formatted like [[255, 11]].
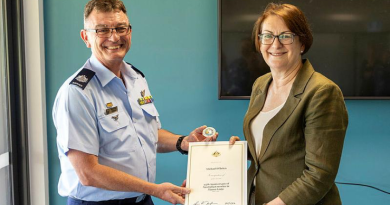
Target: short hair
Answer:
[[293, 17], [103, 6]]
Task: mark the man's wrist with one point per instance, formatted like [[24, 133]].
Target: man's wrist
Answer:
[[178, 145]]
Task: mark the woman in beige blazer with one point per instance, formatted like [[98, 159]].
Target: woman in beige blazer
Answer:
[[296, 121]]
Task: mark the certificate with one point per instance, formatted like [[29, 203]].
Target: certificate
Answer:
[[217, 173]]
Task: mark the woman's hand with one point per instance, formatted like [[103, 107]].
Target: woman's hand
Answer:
[[233, 140]]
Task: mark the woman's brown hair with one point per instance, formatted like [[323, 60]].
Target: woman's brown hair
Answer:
[[294, 19]]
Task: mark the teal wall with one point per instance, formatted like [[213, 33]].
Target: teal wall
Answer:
[[175, 44]]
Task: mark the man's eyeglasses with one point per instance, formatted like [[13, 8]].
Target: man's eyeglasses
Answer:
[[107, 32], [284, 38]]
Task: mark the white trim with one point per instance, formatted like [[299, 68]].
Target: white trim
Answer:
[[36, 100], [4, 160]]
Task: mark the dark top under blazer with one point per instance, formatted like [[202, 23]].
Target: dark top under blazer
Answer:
[[302, 144]]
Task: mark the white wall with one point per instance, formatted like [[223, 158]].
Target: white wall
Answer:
[[36, 100]]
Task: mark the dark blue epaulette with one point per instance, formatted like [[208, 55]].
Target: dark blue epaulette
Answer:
[[136, 70], [82, 78]]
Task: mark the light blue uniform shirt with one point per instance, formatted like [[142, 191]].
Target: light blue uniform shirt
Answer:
[[125, 140]]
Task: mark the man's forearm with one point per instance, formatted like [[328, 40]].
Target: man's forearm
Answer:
[[112, 179], [166, 141], [91, 173]]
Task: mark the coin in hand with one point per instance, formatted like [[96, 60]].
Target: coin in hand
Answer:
[[208, 132]]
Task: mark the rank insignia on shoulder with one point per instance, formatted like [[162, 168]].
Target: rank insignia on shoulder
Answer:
[[82, 78], [136, 70], [145, 99]]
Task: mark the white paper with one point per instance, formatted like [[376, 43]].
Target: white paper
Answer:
[[217, 173]]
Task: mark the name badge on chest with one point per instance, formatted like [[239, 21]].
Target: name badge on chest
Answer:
[[110, 109]]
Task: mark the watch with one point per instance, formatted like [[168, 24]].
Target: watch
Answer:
[[178, 145]]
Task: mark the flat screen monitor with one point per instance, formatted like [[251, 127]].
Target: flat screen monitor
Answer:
[[351, 45]]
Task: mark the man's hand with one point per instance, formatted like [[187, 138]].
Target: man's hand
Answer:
[[197, 136], [171, 193]]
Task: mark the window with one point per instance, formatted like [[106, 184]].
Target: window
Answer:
[[14, 164]]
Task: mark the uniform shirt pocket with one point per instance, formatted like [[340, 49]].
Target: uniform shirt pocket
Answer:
[[151, 117], [113, 122], [150, 109]]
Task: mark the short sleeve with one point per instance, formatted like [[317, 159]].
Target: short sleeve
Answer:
[[76, 122]]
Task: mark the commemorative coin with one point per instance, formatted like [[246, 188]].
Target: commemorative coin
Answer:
[[208, 132]]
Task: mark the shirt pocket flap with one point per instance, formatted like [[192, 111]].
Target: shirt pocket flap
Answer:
[[150, 109], [114, 121]]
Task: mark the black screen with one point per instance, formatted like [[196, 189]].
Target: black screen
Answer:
[[351, 45]]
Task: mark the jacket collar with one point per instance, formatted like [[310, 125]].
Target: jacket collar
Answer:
[[300, 82]]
